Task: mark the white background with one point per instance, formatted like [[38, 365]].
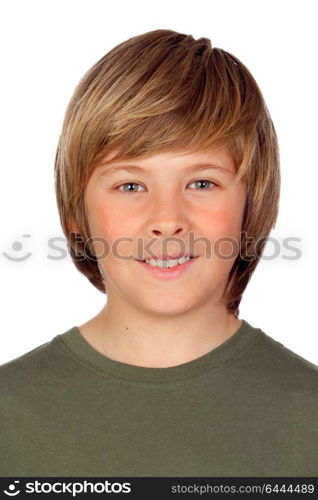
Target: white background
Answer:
[[46, 47]]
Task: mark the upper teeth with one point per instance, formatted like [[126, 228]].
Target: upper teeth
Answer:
[[166, 263]]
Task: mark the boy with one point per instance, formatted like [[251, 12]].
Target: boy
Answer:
[[165, 380]]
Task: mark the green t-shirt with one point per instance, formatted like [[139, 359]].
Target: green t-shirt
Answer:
[[247, 408]]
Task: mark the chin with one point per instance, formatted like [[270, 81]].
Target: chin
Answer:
[[168, 305]]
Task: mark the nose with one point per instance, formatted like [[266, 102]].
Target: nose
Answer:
[[168, 217], [168, 230]]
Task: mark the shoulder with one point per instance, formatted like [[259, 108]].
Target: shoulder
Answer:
[[284, 367], [34, 369], [26, 359], [24, 369], [286, 355]]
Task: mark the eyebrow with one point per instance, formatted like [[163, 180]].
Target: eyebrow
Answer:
[[198, 167]]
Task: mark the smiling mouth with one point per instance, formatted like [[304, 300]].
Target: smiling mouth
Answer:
[[167, 264]]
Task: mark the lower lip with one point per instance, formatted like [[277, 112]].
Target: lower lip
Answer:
[[168, 272]]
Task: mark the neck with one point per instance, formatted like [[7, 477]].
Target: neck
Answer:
[[139, 338]]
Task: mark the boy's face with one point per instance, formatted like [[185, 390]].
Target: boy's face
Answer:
[[168, 207]]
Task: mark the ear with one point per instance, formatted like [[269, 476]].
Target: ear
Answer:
[[72, 226]]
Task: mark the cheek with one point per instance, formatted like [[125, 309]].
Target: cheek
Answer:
[[223, 230], [223, 223], [111, 230], [224, 217], [107, 222]]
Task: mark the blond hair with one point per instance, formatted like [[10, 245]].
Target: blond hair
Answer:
[[165, 91]]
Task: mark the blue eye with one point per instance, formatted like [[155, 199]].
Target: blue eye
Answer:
[[205, 182], [130, 184]]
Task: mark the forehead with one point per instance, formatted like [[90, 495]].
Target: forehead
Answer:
[[218, 156]]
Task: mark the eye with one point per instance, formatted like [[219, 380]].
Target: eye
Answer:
[[203, 182], [129, 184]]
